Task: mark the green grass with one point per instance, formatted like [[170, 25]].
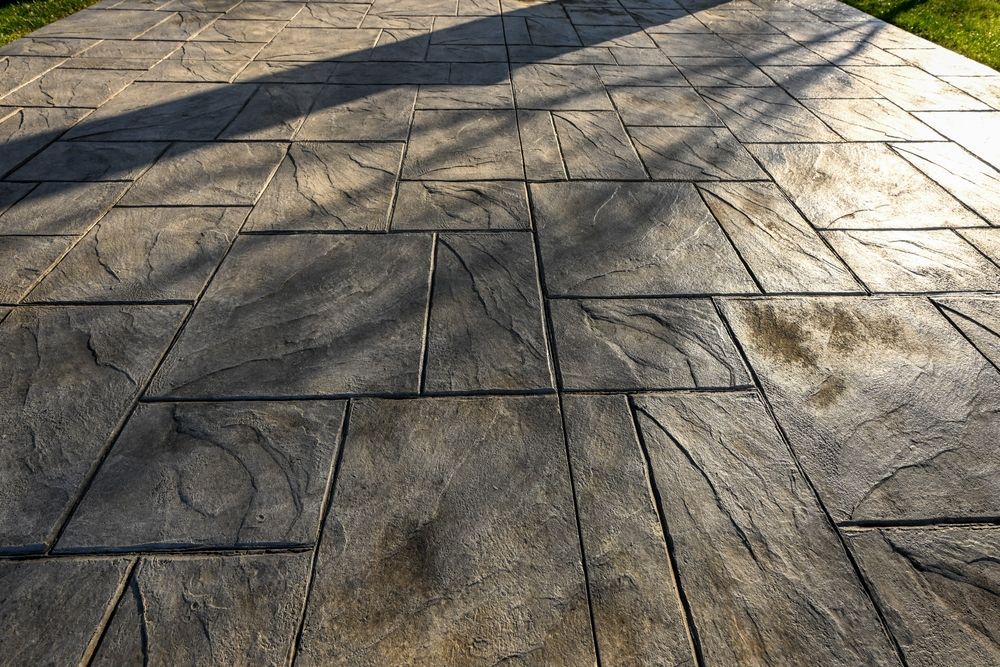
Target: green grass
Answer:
[[17, 19], [970, 27]]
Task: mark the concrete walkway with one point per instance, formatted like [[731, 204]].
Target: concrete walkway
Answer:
[[449, 332]]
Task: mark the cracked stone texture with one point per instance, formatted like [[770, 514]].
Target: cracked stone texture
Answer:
[[892, 413], [644, 344], [941, 590], [485, 329], [207, 174], [222, 475], [631, 234], [143, 254], [428, 205], [52, 609], [979, 319], [305, 315], [777, 243], [71, 376], [330, 186], [766, 576], [237, 211], [637, 613], [207, 611], [860, 186], [24, 259], [451, 538]]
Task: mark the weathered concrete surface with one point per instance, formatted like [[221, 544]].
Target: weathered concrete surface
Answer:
[[563, 332]]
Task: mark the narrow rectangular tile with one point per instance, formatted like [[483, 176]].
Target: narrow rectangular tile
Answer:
[[766, 577], [915, 90], [274, 113], [662, 106], [464, 145], [61, 208], [441, 558], [595, 146], [359, 113], [554, 87], [90, 161], [485, 328], [540, 146], [467, 206], [694, 154], [870, 120], [766, 114]]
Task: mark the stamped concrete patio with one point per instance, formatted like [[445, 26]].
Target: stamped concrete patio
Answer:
[[475, 332]]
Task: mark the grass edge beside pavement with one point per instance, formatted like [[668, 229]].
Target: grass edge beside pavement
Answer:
[[19, 18]]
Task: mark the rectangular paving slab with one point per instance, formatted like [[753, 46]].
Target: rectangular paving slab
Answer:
[[302, 315], [72, 374], [217, 475], [891, 411], [468, 206], [25, 259], [464, 549]]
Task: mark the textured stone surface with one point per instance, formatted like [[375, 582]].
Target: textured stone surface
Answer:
[[766, 577], [72, 374], [634, 233], [207, 611], [637, 613], [359, 113], [890, 410], [274, 113], [915, 90], [662, 106], [694, 154], [941, 588], [464, 549], [24, 259], [51, 610], [60, 208], [71, 88], [226, 475], [766, 114], [572, 87], [979, 319], [330, 186], [978, 133], [860, 186], [973, 182], [870, 120], [778, 245], [644, 344], [429, 205], [463, 145], [90, 161], [217, 174], [301, 315], [25, 131], [540, 146], [137, 254], [915, 261], [595, 146], [485, 328]]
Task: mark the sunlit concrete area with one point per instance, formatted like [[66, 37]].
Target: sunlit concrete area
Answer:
[[461, 332]]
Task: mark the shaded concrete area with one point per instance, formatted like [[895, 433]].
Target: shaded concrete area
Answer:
[[490, 331]]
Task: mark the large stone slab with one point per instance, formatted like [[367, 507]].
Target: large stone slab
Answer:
[[694, 154], [486, 205], [891, 412], [766, 114], [213, 174], [208, 611], [780, 247], [485, 330], [632, 239], [219, 475], [464, 145], [24, 259], [594, 146], [637, 613], [940, 589], [306, 315], [914, 89], [71, 375], [870, 120], [644, 344], [554, 87], [464, 549], [144, 254], [61, 208], [915, 261], [860, 186], [71, 88], [165, 112], [646, 105], [52, 609], [330, 186], [101, 24], [360, 113], [765, 575]]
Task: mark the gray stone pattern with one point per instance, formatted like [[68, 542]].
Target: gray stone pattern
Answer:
[[619, 332]]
